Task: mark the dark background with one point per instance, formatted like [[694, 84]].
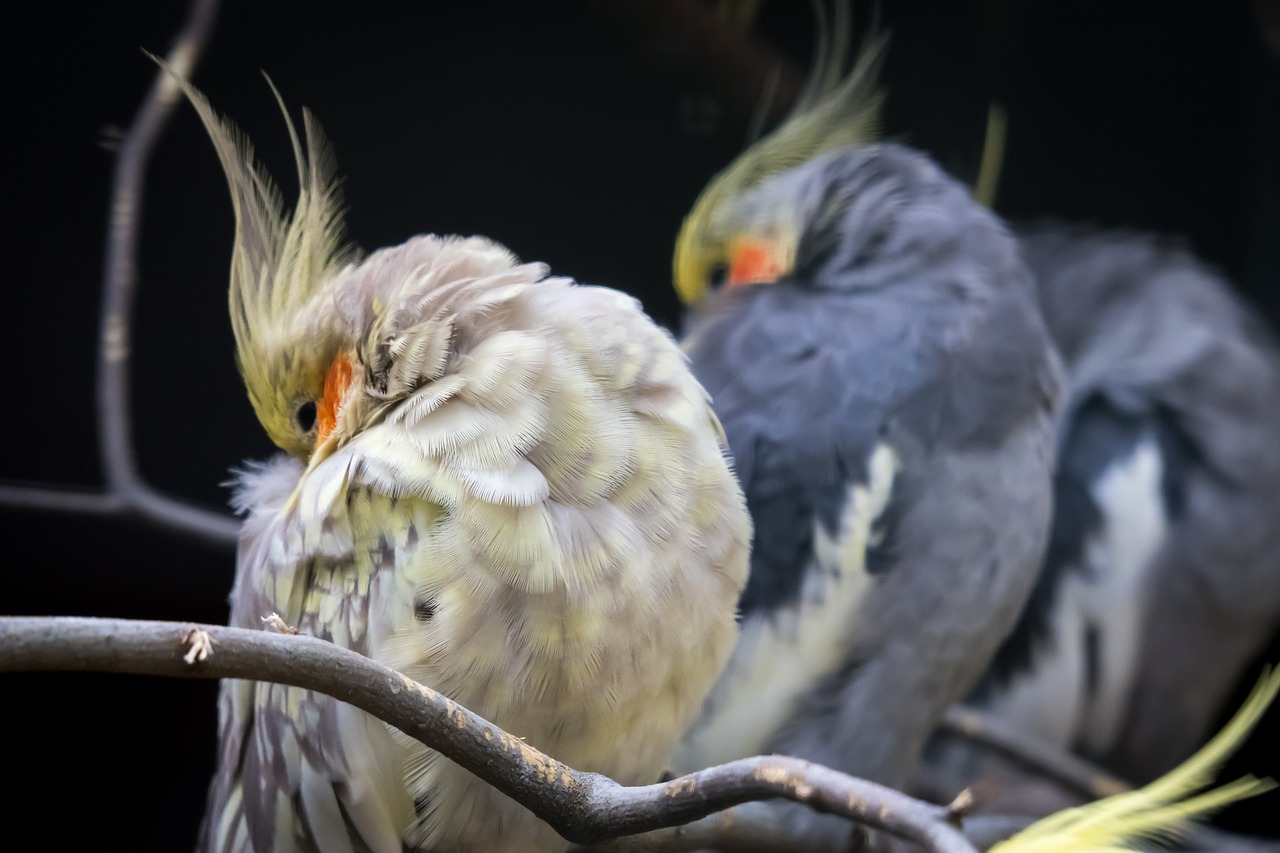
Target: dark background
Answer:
[[578, 133]]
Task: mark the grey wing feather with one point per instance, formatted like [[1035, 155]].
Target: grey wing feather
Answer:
[[808, 380], [1170, 337], [1161, 353]]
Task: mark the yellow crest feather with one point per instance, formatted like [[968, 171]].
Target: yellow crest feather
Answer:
[[987, 184], [1163, 809], [833, 111], [279, 261]]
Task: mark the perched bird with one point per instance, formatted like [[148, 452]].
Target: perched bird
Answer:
[[507, 486], [888, 388], [1162, 579]]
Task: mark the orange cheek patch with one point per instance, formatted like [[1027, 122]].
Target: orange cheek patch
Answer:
[[336, 382], [754, 263]]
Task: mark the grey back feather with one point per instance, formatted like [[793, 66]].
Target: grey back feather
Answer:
[[1155, 337]]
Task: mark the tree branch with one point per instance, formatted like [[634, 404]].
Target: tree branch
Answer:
[[583, 807], [145, 503], [126, 493], [120, 269], [1070, 773], [747, 828], [1076, 774], [54, 499]]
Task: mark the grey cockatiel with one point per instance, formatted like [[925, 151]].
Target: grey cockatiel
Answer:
[[887, 386], [1162, 581], [508, 486]]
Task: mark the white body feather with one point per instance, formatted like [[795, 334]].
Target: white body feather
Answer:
[[1053, 700]]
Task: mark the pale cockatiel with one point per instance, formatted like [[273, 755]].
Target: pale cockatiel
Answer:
[[507, 486], [1162, 581], [888, 389]]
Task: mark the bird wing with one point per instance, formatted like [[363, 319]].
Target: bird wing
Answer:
[[837, 410], [1166, 495], [299, 770]]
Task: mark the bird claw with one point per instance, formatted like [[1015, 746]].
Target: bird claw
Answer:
[[960, 806], [199, 646], [275, 623]]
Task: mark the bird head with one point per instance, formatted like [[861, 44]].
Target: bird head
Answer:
[[295, 343], [729, 238], [328, 342], [860, 217]]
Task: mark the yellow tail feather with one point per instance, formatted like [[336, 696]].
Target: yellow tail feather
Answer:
[[1162, 810]]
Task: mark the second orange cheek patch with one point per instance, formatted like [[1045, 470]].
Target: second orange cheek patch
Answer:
[[754, 263]]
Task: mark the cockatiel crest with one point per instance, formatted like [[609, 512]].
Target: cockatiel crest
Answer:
[[507, 486], [280, 267], [834, 111]]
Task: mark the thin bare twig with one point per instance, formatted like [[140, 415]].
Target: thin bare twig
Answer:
[[583, 807], [54, 499], [125, 492], [1075, 773]]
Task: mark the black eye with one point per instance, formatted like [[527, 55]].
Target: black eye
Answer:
[[717, 276], [306, 415]]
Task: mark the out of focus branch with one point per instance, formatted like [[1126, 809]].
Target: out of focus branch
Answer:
[[1032, 754], [125, 492], [585, 808], [1070, 774]]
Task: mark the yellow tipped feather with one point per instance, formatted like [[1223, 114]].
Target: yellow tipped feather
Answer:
[[834, 110], [1162, 810], [279, 261], [313, 238], [988, 182]]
